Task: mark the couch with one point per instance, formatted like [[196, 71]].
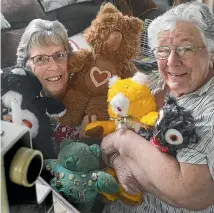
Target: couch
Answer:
[[75, 17]]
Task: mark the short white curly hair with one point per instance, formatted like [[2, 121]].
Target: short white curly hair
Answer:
[[194, 12]]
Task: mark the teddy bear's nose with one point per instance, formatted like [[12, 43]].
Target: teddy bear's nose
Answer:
[[119, 109]]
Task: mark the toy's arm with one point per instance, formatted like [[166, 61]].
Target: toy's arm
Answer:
[[75, 103], [149, 119], [49, 164], [106, 183], [53, 107], [78, 59], [100, 128]]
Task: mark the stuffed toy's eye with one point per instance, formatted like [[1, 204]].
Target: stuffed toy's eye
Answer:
[[173, 137], [160, 116]]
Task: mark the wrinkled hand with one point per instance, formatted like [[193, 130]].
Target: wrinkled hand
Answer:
[[85, 122], [113, 142], [126, 177]]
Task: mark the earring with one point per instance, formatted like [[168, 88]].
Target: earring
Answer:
[[211, 65]]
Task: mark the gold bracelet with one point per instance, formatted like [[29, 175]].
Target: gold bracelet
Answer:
[[112, 158]]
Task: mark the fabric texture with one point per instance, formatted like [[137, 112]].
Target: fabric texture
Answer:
[[9, 43], [201, 103], [75, 17], [20, 12], [50, 5], [134, 7], [4, 23]]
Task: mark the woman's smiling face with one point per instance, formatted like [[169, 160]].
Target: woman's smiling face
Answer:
[[53, 75], [183, 75]]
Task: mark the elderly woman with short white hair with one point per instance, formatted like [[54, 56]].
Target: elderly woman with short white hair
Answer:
[[183, 42]]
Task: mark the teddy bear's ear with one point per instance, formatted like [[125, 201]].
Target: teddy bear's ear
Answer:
[[112, 80], [18, 71], [136, 23], [95, 149], [140, 78], [108, 8], [65, 142]]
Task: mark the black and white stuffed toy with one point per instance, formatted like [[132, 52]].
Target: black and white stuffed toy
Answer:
[[174, 128], [20, 97]]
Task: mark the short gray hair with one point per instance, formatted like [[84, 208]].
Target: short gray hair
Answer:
[[41, 33], [194, 12]]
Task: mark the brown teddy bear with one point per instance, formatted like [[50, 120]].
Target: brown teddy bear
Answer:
[[114, 40]]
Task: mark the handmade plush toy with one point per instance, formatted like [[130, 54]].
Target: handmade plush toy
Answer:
[[114, 40], [130, 105], [20, 97], [77, 176], [174, 128]]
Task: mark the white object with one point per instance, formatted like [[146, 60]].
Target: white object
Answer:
[[4, 23]]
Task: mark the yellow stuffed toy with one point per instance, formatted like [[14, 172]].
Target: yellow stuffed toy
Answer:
[[130, 105]]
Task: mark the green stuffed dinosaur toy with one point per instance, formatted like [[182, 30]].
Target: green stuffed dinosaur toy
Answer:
[[76, 174]]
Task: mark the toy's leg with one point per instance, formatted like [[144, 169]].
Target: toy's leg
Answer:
[[75, 103], [106, 196], [100, 128], [125, 197], [129, 199], [98, 106]]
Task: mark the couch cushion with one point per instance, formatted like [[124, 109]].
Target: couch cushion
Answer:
[[9, 44], [50, 5], [78, 17], [20, 12], [4, 23]]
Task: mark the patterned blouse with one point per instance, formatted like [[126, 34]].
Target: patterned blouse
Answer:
[[201, 103]]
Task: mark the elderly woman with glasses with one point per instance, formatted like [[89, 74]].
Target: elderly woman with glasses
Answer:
[[183, 42]]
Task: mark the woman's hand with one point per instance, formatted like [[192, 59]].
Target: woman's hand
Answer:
[[125, 176], [117, 141]]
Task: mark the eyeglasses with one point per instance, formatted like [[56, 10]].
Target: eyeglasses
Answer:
[[184, 52], [58, 57]]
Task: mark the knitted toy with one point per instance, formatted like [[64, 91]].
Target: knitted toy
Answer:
[[174, 128], [77, 176], [114, 40], [20, 98], [130, 105]]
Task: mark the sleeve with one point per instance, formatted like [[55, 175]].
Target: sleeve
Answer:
[[152, 80], [202, 152], [155, 82]]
